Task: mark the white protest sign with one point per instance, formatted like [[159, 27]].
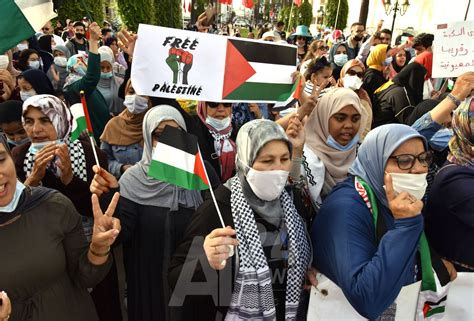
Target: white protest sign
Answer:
[[175, 63], [453, 49]]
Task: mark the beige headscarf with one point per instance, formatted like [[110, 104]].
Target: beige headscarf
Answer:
[[336, 162]]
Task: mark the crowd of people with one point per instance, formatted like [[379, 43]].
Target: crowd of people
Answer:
[[375, 157]]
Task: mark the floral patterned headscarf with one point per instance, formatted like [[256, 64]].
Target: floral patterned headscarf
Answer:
[[461, 145]]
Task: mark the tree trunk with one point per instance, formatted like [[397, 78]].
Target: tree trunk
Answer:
[[364, 11]]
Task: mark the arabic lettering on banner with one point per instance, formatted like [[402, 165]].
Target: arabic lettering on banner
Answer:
[[453, 49]]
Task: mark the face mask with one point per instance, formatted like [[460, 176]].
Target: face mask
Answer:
[[60, 61], [267, 185], [300, 45], [36, 147], [218, 124], [441, 138], [16, 197], [53, 47], [19, 142], [415, 184], [106, 75], [34, 64], [136, 104], [352, 82], [27, 94], [388, 61], [340, 59], [4, 61], [81, 70], [79, 36], [22, 46], [334, 144]]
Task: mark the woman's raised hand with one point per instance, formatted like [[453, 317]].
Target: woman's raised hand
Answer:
[[219, 246]]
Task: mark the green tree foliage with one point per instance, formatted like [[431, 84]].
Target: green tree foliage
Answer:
[[134, 12], [168, 13], [301, 15], [76, 10], [331, 11], [305, 13]]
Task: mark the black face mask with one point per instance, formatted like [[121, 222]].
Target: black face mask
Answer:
[[358, 38], [79, 36]]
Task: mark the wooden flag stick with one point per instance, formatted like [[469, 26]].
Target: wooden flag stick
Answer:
[[89, 127]]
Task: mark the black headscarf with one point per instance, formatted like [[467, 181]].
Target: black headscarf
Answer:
[[421, 109], [30, 197], [396, 67], [412, 77], [45, 43], [10, 111], [39, 81]]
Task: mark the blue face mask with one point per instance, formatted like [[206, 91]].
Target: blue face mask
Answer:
[[334, 144], [19, 142], [440, 139], [106, 75], [36, 147], [16, 197], [388, 61], [81, 70]]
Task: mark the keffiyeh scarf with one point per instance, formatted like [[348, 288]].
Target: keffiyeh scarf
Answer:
[[252, 297]]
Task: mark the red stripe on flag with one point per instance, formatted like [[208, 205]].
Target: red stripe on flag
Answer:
[[199, 169], [297, 93], [86, 113]]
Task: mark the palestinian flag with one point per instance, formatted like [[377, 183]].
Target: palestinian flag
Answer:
[[79, 122], [177, 160], [21, 19], [257, 70], [435, 284], [292, 98]]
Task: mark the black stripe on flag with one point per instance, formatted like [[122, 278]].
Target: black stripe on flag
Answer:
[[179, 139], [444, 298], [265, 53]]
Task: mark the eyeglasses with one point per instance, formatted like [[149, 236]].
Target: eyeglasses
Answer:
[[215, 105], [407, 161], [355, 73], [323, 48]]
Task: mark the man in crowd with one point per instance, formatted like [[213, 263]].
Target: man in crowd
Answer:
[[354, 42], [49, 30], [279, 30], [79, 42], [385, 37]]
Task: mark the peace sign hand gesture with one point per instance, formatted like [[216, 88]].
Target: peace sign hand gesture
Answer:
[[403, 205], [105, 231]]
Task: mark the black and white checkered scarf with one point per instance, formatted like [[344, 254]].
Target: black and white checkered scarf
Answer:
[[76, 154], [252, 298]]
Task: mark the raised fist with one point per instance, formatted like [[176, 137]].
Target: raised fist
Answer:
[[180, 62]]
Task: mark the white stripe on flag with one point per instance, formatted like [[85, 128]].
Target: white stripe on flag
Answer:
[[77, 112], [282, 72], [174, 157], [37, 12]]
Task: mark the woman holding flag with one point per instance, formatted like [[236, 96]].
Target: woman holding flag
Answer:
[[52, 159]]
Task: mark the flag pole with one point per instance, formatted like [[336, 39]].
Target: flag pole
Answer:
[[210, 189], [89, 127]]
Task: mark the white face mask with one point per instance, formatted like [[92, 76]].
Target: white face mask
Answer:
[[136, 104], [340, 59], [4, 61], [60, 61], [16, 198], [22, 46], [27, 94], [415, 184], [218, 124], [267, 185], [34, 64], [352, 82]]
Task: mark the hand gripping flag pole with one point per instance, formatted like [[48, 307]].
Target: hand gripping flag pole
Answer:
[[89, 127]]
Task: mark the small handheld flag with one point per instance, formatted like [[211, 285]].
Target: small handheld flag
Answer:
[[89, 126]]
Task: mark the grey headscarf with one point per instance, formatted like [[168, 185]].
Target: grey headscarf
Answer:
[[373, 154], [250, 140], [137, 186]]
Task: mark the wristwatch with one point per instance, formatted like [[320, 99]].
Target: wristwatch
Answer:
[[456, 101]]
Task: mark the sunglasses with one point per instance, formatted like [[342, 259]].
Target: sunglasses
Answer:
[[215, 105], [407, 161], [355, 73], [323, 48]]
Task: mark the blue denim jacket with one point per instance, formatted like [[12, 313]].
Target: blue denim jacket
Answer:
[[426, 126], [121, 155]]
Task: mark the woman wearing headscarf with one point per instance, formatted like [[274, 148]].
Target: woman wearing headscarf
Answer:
[[396, 99], [47, 263], [45, 44], [122, 139], [84, 76], [109, 83], [351, 78], [374, 76], [51, 159], [449, 211], [253, 203], [154, 216], [338, 58], [58, 73], [333, 131], [400, 60], [368, 229], [34, 82], [216, 137]]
